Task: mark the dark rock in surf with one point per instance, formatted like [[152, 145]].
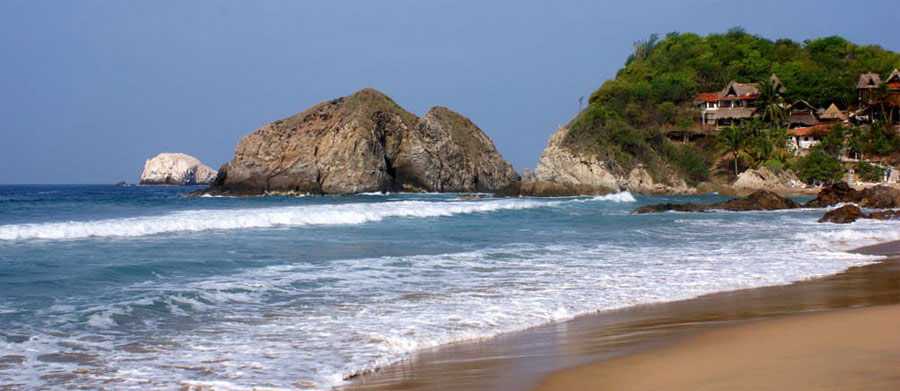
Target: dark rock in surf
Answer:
[[758, 200], [877, 197], [843, 215]]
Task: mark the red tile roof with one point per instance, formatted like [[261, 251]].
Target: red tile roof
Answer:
[[708, 96], [811, 130]]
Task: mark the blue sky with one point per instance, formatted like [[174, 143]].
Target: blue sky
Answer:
[[91, 89]]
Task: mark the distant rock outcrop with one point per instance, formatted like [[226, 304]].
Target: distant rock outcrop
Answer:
[[850, 213], [877, 197], [759, 200], [362, 143], [561, 170], [176, 169]]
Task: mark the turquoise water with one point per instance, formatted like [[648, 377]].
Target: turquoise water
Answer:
[[107, 287]]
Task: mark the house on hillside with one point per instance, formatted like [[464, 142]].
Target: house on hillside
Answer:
[[802, 114], [877, 101], [802, 140], [868, 82], [734, 103]]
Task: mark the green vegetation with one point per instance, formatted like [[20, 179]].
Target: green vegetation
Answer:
[[868, 172], [734, 140], [819, 167], [758, 142], [627, 117], [770, 104]]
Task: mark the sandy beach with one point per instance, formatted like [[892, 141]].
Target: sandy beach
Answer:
[[852, 349], [835, 332]]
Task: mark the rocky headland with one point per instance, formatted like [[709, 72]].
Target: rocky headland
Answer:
[[364, 143], [566, 169], [176, 169]]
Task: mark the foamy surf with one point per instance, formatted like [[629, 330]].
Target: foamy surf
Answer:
[[288, 216], [623, 196], [308, 308]]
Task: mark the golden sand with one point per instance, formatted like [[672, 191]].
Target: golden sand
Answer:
[[851, 349]]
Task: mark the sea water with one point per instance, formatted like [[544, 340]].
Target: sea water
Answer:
[[121, 288]]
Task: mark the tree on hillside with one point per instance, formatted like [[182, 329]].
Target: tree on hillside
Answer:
[[819, 167], [770, 104], [768, 143], [868, 172], [855, 142], [733, 139], [833, 143], [643, 48], [879, 139]]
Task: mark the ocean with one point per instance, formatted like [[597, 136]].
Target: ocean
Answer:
[[121, 288]]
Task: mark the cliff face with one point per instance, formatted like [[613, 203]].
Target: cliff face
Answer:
[[562, 170], [176, 169], [784, 182], [361, 143]]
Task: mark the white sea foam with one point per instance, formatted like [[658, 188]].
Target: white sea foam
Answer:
[[310, 325], [624, 196], [289, 216]]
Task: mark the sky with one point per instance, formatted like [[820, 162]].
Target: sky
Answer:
[[91, 89]]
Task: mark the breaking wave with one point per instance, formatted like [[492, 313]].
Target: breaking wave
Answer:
[[290, 216]]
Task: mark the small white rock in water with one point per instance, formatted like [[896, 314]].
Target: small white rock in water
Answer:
[[176, 169]]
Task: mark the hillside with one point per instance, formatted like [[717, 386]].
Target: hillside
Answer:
[[626, 119]]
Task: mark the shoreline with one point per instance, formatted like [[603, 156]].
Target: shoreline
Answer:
[[854, 348], [522, 360]]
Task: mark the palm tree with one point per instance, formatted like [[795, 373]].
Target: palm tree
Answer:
[[770, 104], [778, 136], [766, 143], [734, 139]]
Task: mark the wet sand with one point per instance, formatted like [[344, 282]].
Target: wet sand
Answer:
[[523, 360]]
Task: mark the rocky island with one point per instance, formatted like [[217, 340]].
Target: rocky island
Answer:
[[176, 169], [364, 142]]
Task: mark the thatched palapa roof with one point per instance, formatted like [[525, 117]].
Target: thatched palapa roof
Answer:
[[893, 77], [868, 80], [833, 113], [735, 90]]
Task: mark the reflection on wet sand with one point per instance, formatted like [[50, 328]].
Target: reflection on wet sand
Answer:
[[518, 361]]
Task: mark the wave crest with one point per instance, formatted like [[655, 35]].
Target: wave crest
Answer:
[[290, 216]]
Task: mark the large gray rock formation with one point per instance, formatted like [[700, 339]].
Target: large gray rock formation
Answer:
[[784, 182], [361, 143], [176, 169], [561, 170]]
